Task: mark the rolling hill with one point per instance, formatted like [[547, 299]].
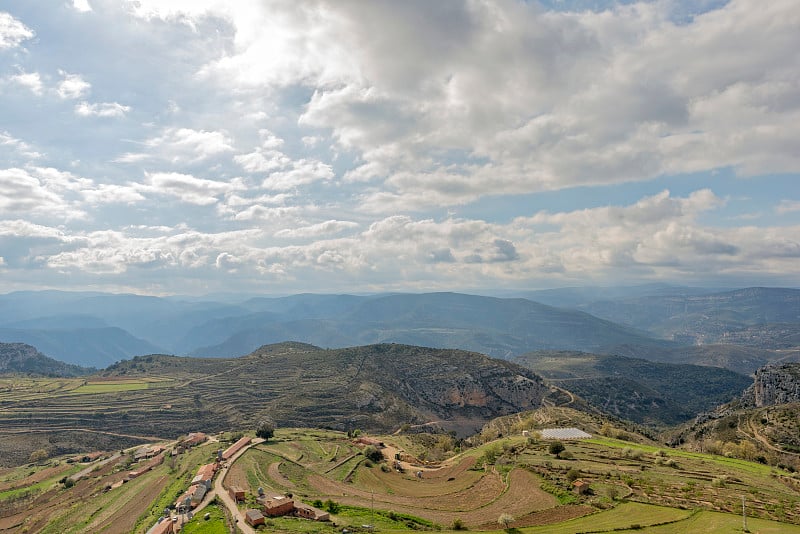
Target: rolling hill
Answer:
[[638, 390], [376, 387], [25, 359]]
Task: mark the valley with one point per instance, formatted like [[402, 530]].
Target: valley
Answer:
[[439, 483], [678, 434]]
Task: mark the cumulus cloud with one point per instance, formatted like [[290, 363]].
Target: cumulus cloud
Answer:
[[81, 5], [188, 188], [39, 193], [12, 31], [30, 80], [72, 86], [104, 109], [182, 145], [331, 227]]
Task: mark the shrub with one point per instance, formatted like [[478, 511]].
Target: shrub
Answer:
[[458, 525]]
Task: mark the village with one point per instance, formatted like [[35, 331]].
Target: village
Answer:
[[203, 489]]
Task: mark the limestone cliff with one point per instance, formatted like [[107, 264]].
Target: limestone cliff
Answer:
[[774, 384]]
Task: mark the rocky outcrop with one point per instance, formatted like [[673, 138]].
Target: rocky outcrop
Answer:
[[774, 384]]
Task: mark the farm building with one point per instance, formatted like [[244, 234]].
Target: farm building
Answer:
[[195, 494], [155, 462], [236, 447], [205, 474], [162, 527], [236, 493], [370, 441], [564, 433], [194, 438], [581, 487], [147, 452], [253, 518], [309, 512], [277, 505]]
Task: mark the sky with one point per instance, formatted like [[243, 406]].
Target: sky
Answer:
[[275, 146]]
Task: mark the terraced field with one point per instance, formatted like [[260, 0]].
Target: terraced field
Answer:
[[654, 487], [634, 487], [378, 387]]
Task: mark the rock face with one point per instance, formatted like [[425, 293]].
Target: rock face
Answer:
[[775, 384]]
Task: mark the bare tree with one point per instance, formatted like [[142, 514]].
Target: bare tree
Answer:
[[505, 520]]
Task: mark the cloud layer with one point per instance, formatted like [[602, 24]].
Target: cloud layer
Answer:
[[191, 147]]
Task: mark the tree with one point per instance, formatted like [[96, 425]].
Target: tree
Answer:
[[38, 455], [556, 448], [505, 520], [373, 453], [265, 428]]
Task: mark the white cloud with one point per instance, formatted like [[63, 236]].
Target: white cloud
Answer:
[[112, 194], [331, 227], [190, 189], [72, 86], [19, 147], [30, 80], [12, 31], [788, 206], [82, 5], [104, 109], [182, 145], [302, 172], [38, 193]]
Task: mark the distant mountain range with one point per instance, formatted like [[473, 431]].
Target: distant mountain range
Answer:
[[653, 322]]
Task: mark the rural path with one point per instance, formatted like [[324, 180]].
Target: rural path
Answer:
[[83, 472], [752, 431], [226, 499]]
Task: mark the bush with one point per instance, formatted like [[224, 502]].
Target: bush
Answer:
[[332, 506], [458, 525], [573, 475]]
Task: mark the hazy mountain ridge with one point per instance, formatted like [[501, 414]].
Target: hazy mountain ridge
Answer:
[[493, 326], [58, 322], [706, 318]]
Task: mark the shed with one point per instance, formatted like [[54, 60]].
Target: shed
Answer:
[[236, 493], [253, 517], [309, 512], [581, 487]]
